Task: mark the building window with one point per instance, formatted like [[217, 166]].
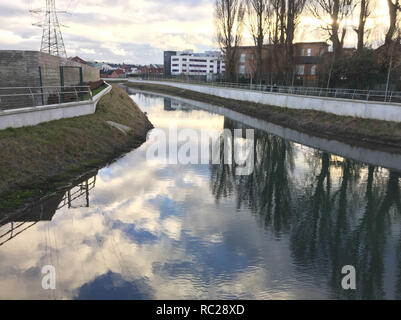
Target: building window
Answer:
[[242, 69], [313, 70], [301, 70], [302, 52], [243, 57], [309, 53]]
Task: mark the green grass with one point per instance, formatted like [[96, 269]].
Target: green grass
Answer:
[[17, 198], [46, 156], [98, 90], [376, 134]]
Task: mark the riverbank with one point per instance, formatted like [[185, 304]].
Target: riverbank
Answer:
[[376, 134], [35, 161]]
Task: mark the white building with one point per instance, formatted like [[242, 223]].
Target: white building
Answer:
[[197, 64]]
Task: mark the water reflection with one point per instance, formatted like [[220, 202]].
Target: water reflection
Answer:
[[45, 209], [158, 231], [340, 213]]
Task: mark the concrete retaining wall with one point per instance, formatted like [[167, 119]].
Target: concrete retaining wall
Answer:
[[21, 69], [342, 107], [34, 115], [372, 157]]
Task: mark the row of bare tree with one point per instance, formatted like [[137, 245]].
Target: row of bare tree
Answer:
[[275, 22]]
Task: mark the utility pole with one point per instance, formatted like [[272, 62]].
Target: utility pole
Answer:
[[52, 39]]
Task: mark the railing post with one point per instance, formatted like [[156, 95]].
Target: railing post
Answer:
[[368, 96], [58, 94], [76, 94], [33, 98]]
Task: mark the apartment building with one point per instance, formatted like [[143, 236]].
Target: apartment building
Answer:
[[187, 62], [307, 57]]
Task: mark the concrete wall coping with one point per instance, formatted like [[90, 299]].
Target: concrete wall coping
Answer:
[[95, 99], [343, 107], [264, 92], [32, 116]]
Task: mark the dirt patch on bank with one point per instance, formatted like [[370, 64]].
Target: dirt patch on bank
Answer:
[[37, 160], [373, 134]]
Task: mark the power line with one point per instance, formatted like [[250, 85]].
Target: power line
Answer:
[[52, 38]]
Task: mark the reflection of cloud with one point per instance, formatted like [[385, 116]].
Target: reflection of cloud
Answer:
[[156, 231]]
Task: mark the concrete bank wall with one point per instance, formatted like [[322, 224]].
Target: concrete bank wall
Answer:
[[341, 107], [34, 115], [364, 155]]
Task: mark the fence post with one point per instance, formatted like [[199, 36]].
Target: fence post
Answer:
[[33, 98], [41, 85]]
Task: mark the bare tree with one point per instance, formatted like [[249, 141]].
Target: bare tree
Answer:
[[278, 29], [229, 20], [294, 11], [394, 7], [286, 14], [365, 11], [259, 13], [333, 14]]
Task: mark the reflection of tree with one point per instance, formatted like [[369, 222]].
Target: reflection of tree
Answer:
[[267, 190], [270, 181], [341, 213], [333, 232]]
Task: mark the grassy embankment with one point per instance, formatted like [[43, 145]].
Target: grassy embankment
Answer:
[[37, 160], [377, 134]]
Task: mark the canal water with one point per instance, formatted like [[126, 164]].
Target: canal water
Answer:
[[140, 229]]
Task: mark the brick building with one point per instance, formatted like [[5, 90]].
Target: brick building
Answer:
[[152, 70], [307, 56]]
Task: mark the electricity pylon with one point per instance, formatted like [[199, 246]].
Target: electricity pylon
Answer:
[[52, 39]]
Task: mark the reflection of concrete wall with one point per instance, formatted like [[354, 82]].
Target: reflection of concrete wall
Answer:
[[372, 157], [342, 107]]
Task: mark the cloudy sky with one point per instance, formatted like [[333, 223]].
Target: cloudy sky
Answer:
[[132, 31]]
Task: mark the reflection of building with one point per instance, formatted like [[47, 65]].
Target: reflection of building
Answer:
[[167, 104], [78, 196], [173, 105]]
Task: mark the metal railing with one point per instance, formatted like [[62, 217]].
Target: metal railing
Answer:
[[23, 97], [352, 94]]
